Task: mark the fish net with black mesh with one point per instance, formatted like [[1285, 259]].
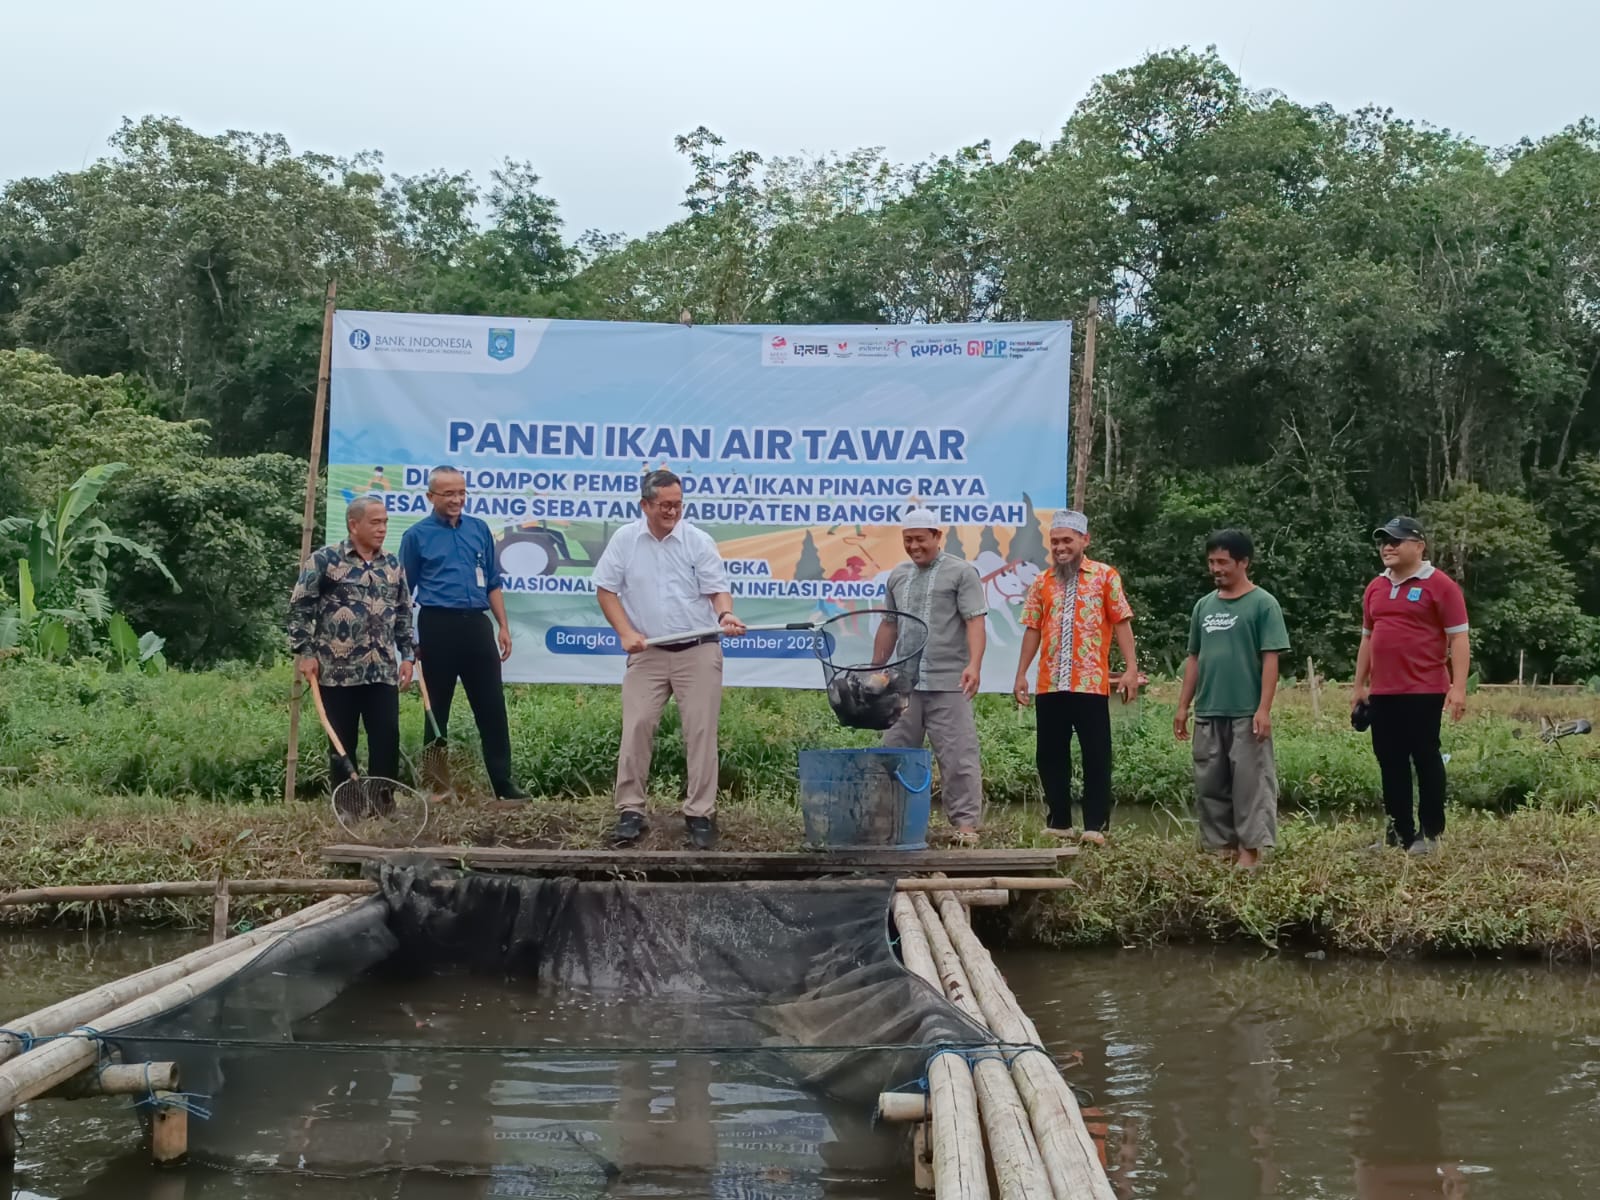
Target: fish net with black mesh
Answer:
[[870, 662]]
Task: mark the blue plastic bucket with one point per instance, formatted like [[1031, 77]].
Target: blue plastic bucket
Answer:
[[875, 798]]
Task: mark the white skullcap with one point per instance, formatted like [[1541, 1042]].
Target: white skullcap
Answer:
[[920, 518], [1070, 518]]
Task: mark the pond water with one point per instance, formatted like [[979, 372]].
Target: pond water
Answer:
[[1221, 1074]]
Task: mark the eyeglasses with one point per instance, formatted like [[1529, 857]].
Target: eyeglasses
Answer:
[[1392, 541], [662, 506], [458, 494]]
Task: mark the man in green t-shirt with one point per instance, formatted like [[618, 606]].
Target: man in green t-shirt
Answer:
[[1231, 674]]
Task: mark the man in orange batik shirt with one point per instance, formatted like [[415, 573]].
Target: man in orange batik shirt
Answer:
[[1066, 618]]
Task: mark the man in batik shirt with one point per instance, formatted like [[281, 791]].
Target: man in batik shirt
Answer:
[[350, 631], [1066, 618]]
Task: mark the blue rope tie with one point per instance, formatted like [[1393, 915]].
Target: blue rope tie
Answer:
[[27, 1039], [186, 1101]]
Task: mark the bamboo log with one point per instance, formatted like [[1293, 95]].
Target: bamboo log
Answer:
[[960, 1171], [91, 1005], [902, 1106], [984, 883], [79, 894], [986, 898], [1066, 1146], [219, 911], [169, 1131], [1018, 1169], [118, 1079], [47, 1066]]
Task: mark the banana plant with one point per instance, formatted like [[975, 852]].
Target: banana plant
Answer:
[[56, 539], [66, 543]]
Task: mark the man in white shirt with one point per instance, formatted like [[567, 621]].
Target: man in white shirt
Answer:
[[657, 577]]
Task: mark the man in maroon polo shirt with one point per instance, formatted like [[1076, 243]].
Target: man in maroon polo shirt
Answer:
[[1412, 666]]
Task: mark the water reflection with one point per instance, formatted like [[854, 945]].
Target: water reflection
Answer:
[[1244, 1077]]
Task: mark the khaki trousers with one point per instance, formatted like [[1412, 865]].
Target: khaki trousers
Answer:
[[946, 720], [694, 678]]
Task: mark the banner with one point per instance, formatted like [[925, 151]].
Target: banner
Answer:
[[800, 448]]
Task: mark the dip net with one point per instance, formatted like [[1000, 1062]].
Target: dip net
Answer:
[[550, 1038], [871, 660]]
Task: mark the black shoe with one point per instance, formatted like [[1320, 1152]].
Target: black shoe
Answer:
[[630, 828], [511, 792], [702, 832]]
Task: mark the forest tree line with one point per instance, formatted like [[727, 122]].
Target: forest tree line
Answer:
[[1309, 321]]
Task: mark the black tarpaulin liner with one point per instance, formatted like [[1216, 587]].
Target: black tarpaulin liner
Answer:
[[564, 1030]]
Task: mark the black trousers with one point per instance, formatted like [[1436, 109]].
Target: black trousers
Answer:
[[1405, 732], [375, 707], [1060, 714], [459, 644]]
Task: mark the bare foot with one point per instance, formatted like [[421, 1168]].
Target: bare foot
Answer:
[[1094, 837], [966, 835], [1228, 854], [1248, 860], [1066, 835]]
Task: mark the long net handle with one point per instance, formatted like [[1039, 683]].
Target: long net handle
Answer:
[[327, 726], [427, 704], [667, 638]]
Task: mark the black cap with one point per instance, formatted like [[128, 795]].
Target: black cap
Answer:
[[1401, 529]]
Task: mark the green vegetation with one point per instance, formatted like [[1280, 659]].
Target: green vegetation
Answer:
[[1310, 319], [221, 736]]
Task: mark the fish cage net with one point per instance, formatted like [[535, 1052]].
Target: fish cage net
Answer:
[[871, 660], [570, 1039]]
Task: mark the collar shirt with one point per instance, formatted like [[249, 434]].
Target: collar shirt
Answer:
[[945, 594], [353, 615], [665, 584], [451, 566]]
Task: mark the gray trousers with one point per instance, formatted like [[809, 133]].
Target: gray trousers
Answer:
[[1235, 785], [945, 719]]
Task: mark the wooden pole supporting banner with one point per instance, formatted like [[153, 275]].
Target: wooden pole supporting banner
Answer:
[[91, 1005], [1316, 692], [1067, 1149], [1083, 425], [308, 518], [960, 1171]]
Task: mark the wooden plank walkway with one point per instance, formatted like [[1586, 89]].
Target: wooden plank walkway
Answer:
[[755, 865]]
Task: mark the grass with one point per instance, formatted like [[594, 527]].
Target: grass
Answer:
[[114, 778], [222, 736]]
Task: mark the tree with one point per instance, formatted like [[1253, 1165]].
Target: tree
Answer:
[[952, 543], [1027, 544]]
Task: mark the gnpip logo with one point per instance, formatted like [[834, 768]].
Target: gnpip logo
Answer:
[[360, 339], [502, 343]]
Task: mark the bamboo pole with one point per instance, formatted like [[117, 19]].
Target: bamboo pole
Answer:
[[36, 1072], [1066, 1146], [219, 911], [291, 762], [902, 1106], [169, 1131], [985, 883], [91, 1005], [1083, 434], [1018, 1168], [960, 1171], [118, 1079], [75, 894], [1316, 692]]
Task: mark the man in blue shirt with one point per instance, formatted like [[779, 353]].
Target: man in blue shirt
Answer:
[[454, 573]]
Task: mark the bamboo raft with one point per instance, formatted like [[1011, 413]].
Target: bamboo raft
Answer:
[[1004, 1113]]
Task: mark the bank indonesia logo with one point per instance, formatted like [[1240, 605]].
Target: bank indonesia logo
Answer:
[[502, 343], [360, 339]]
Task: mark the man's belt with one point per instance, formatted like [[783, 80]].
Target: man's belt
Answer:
[[688, 643]]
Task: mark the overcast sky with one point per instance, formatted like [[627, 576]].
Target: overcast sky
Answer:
[[592, 91]]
